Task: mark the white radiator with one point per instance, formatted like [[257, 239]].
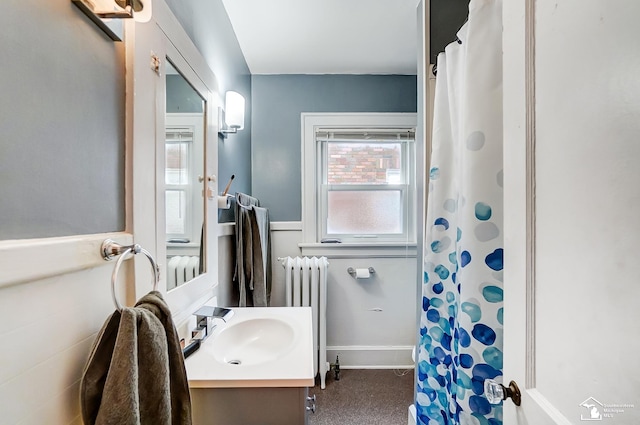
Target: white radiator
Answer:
[[306, 286], [181, 269]]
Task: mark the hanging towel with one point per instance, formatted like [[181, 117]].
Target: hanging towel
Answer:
[[252, 273], [260, 282], [135, 374]]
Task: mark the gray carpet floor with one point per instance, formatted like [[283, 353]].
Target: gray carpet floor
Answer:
[[364, 397]]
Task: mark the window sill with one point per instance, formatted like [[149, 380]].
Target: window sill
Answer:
[[359, 250], [179, 245]]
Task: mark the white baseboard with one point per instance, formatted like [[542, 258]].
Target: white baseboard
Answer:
[[371, 356]]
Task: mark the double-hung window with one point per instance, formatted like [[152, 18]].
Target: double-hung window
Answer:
[[364, 182], [178, 180]]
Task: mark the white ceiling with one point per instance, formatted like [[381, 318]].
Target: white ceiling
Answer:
[[326, 36]]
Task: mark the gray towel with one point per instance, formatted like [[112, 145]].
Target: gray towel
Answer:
[[261, 279], [135, 374], [243, 269], [253, 268]]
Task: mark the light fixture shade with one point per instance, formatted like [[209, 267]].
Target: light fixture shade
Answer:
[[143, 10], [108, 14], [234, 110], [140, 10]]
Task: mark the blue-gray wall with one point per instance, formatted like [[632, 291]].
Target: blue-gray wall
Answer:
[[446, 17], [181, 97], [62, 121], [278, 101], [209, 28]]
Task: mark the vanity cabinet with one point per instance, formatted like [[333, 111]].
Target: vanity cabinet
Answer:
[[251, 406], [254, 369]]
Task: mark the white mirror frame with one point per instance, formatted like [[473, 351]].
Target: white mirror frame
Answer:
[[160, 38]]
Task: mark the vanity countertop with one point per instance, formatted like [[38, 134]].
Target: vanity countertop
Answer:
[[258, 347]]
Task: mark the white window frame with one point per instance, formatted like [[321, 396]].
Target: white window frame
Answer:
[[312, 209], [193, 123], [184, 188]]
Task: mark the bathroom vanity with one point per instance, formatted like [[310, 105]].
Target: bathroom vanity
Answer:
[[250, 406], [254, 370]]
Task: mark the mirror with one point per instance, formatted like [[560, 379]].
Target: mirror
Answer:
[[184, 179]]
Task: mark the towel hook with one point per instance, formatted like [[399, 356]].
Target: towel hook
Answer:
[[110, 249]]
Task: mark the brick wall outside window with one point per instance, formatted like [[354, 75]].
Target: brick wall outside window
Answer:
[[358, 163]]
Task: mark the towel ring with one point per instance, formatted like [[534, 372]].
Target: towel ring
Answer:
[[110, 249]]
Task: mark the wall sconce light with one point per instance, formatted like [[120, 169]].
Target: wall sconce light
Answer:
[[232, 115], [108, 14]]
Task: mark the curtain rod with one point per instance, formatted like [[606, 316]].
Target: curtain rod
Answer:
[[434, 70]]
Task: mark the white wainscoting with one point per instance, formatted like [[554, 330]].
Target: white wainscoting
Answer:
[[227, 296], [370, 322], [48, 327], [371, 357]]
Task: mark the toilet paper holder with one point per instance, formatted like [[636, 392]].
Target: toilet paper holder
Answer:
[[352, 271], [224, 201]]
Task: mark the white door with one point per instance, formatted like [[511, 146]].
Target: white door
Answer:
[[572, 210]]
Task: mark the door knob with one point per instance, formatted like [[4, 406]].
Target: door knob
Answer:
[[495, 392]]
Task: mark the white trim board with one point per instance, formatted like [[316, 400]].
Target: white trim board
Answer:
[[226, 229], [286, 225], [372, 356], [34, 259], [353, 250]]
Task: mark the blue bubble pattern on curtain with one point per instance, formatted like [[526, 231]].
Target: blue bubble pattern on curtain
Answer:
[[462, 305]]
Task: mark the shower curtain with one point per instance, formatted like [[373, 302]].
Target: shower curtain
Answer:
[[461, 320]]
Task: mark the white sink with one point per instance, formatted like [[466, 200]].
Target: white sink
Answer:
[[258, 347], [253, 341]]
